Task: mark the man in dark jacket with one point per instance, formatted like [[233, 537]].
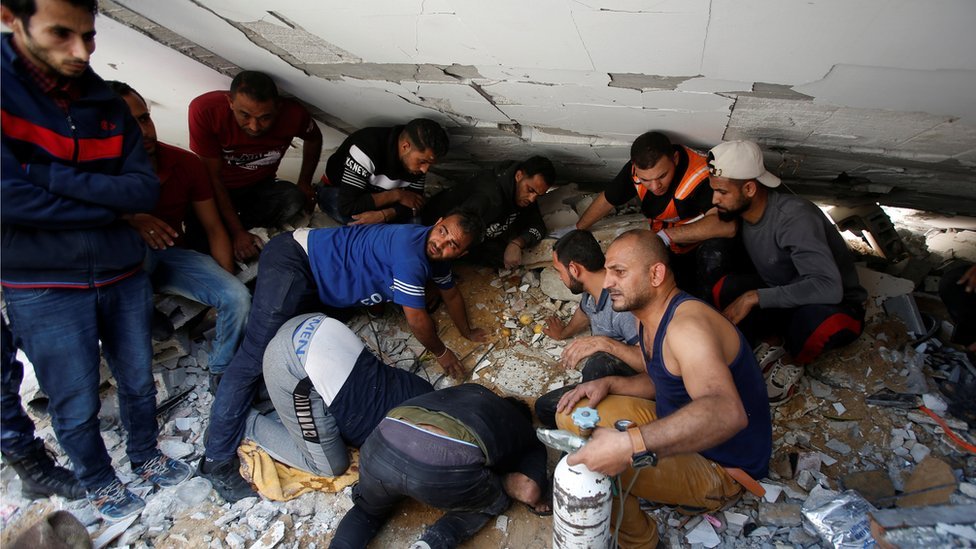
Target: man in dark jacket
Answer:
[[505, 198], [463, 449], [377, 174], [73, 163]]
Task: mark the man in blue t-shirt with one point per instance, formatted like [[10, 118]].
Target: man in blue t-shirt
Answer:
[[343, 267]]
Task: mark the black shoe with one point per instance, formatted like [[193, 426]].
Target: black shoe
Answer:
[[215, 382], [41, 477], [162, 327], [226, 479]]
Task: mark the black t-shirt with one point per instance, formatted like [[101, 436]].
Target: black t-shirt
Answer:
[[654, 207]]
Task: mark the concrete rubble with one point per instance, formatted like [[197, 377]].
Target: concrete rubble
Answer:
[[827, 439]]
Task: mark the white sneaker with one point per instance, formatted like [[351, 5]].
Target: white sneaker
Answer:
[[767, 354], [781, 381]]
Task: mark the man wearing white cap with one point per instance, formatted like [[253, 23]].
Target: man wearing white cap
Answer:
[[806, 292]]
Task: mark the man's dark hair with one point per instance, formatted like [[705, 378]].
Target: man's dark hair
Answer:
[[579, 246], [122, 89], [24, 9], [424, 133], [521, 406], [648, 149], [256, 85], [539, 165], [470, 223]]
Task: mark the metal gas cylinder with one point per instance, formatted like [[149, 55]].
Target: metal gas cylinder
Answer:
[[581, 498]]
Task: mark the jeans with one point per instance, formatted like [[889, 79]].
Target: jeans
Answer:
[[198, 277], [272, 203], [59, 329], [471, 495], [285, 288], [16, 427], [269, 203], [598, 365], [327, 197]]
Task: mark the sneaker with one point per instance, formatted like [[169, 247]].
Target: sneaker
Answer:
[[781, 381], [115, 502], [767, 354], [163, 471], [41, 476], [226, 478]]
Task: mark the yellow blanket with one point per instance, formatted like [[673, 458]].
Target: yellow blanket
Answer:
[[281, 482]]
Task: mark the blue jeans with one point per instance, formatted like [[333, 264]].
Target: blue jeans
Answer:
[[16, 427], [327, 197], [196, 276], [285, 288], [471, 495], [59, 329]]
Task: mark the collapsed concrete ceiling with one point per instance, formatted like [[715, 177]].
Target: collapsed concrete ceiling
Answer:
[[852, 102]]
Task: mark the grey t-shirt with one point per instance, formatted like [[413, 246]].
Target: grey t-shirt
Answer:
[[604, 321], [800, 255]]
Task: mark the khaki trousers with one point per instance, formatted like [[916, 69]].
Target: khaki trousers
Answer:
[[687, 480]]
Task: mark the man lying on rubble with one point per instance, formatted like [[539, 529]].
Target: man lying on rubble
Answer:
[[463, 449], [328, 391], [804, 289], [611, 348], [505, 197], [707, 432], [338, 268], [671, 184]]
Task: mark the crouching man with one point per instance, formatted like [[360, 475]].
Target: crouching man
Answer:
[[462, 449], [702, 429], [328, 390]]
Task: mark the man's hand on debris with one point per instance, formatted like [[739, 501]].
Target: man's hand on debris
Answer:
[[608, 451], [594, 390], [478, 335], [969, 279], [513, 255], [246, 245], [449, 361], [580, 349], [410, 199], [554, 327], [738, 309], [369, 218], [156, 232]]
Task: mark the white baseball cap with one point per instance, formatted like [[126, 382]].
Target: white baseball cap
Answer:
[[740, 160]]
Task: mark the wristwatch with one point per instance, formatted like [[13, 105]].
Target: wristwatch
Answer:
[[642, 457]]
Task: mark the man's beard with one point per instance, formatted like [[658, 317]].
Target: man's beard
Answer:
[[732, 215], [575, 285]]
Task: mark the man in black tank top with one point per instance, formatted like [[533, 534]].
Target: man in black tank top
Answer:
[[702, 431]]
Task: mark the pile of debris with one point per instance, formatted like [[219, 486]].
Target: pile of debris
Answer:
[[854, 453]]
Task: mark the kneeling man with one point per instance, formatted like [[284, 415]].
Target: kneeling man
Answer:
[[328, 391], [701, 425], [462, 449]]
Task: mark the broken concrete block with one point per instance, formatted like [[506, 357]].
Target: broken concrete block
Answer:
[[780, 514], [904, 308], [931, 483], [875, 486]]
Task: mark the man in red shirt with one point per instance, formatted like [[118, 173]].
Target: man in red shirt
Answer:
[[174, 269], [241, 137]]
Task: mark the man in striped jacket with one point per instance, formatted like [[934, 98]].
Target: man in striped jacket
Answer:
[[73, 164]]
